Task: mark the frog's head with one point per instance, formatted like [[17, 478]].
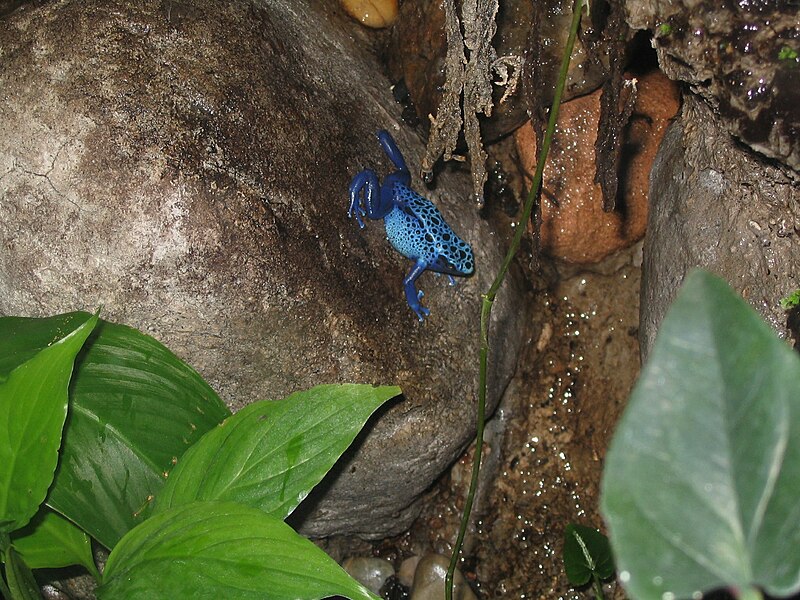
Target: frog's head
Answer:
[[455, 257]]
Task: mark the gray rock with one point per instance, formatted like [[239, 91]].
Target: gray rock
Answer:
[[716, 205], [369, 571], [185, 166], [742, 57], [429, 579]]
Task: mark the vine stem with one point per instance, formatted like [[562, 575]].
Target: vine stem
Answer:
[[488, 297], [598, 587]]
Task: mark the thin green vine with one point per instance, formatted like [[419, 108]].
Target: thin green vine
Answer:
[[488, 297]]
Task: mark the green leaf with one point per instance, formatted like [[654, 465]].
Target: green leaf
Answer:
[[701, 480], [22, 338], [586, 552], [21, 582], [271, 453], [221, 550], [50, 541], [34, 379], [135, 409]]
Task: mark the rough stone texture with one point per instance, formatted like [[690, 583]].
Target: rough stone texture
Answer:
[[578, 230], [185, 166], [742, 56], [717, 206]]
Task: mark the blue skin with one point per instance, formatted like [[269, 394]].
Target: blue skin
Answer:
[[413, 224]]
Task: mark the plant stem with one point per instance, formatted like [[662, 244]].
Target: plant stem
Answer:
[[598, 587], [488, 298]]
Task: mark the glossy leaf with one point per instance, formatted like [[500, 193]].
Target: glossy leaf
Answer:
[[21, 582], [34, 381], [136, 407], [271, 453], [221, 550], [51, 541], [22, 338], [700, 488], [586, 553]]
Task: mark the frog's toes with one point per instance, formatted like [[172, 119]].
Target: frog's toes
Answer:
[[357, 212], [422, 312], [452, 279]]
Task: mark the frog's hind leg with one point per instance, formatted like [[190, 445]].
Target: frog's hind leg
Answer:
[[413, 296], [402, 175]]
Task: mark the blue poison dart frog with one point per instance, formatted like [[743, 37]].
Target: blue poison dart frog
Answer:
[[414, 226]]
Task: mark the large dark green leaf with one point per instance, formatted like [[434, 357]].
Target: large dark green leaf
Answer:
[[34, 381], [135, 409], [50, 541], [270, 454], [702, 478], [221, 550]]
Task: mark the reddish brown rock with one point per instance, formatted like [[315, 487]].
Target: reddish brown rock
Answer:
[[576, 229]]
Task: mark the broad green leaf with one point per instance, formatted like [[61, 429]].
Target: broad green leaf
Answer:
[[21, 338], [586, 552], [271, 453], [135, 409], [21, 582], [221, 550], [50, 541], [33, 406], [701, 483]]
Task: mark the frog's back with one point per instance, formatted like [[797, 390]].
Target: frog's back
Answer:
[[417, 229]]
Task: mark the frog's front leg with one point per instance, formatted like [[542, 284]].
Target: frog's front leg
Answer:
[[412, 295], [366, 198], [450, 278]]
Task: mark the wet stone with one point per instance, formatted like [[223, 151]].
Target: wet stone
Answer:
[[429, 580], [371, 572], [742, 57]]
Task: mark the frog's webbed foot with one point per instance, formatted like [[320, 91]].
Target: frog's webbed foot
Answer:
[[413, 296], [363, 190], [421, 311]]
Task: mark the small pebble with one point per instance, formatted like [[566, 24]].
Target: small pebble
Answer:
[[429, 580], [372, 13], [370, 572], [406, 571]]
